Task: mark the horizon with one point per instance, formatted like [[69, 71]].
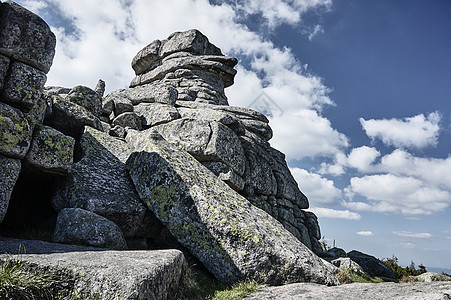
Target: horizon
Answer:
[[357, 94]]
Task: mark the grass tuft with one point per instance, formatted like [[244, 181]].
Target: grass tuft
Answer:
[[349, 276]]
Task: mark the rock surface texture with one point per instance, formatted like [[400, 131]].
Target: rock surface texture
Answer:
[[356, 291], [93, 274]]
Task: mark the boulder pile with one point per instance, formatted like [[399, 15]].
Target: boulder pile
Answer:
[[166, 159]]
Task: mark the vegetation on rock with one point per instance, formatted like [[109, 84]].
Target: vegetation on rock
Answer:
[[401, 272]]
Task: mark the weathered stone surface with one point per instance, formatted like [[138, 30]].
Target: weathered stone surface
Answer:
[[206, 141], [99, 182], [345, 263], [78, 226], [190, 41], [117, 131], [122, 105], [15, 132], [152, 114], [371, 264], [23, 86], [146, 57], [26, 37], [209, 114], [94, 273], [87, 98], [100, 87], [336, 253], [356, 291], [56, 90], [128, 119], [71, 118], [231, 237], [226, 174], [4, 65], [148, 93], [432, 276], [51, 151], [311, 221], [9, 172]]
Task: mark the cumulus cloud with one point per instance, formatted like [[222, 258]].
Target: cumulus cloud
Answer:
[[361, 158], [365, 233], [414, 132], [419, 235], [322, 212], [389, 193], [94, 42], [320, 191]]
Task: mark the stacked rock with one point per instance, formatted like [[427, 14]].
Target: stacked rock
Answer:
[[179, 92], [27, 47]]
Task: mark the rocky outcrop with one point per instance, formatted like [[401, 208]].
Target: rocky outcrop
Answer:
[[166, 157], [92, 274], [371, 264]]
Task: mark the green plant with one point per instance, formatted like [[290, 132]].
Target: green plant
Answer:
[[237, 291], [349, 276], [17, 282], [401, 272]]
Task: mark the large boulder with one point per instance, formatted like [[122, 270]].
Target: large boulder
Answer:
[[78, 226], [25, 37], [99, 182], [371, 264], [51, 151], [15, 132], [93, 273], [230, 236], [9, 172]]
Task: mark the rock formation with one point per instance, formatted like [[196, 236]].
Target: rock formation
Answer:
[[166, 155]]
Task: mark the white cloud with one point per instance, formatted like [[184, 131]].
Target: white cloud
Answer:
[[388, 193], [317, 29], [408, 245], [365, 233], [322, 212], [414, 132], [319, 190], [422, 235], [361, 158], [277, 12]]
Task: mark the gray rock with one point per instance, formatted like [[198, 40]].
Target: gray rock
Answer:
[[152, 114], [117, 131], [51, 151], [258, 127], [9, 172], [149, 93], [78, 226], [99, 183], [23, 86], [26, 37], [432, 276], [206, 141], [122, 105], [209, 114], [107, 105], [146, 57], [37, 114], [71, 118], [105, 275], [312, 224], [356, 291], [87, 98], [4, 66], [15, 132], [231, 237], [371, 264], [128, 119], [336, 253], [226, 174], [56, 90], [345, 263], [190, 41], [100, 87]]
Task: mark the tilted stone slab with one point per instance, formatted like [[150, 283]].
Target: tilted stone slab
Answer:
[[9, 172], [15, 132], [99, 182], [87, 98], [231, 237], [51, 151], [152, 114], [25, 37], [93, 273], [23, 86], [148, 93], [82, 227]]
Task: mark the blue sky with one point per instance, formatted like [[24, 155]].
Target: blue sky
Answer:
[[363, 89]]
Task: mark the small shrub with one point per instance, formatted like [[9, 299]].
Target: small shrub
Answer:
[[349, 276], [343, 277], [401, 272]]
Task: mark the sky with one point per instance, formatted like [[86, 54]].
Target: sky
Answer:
[[358, 95]]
